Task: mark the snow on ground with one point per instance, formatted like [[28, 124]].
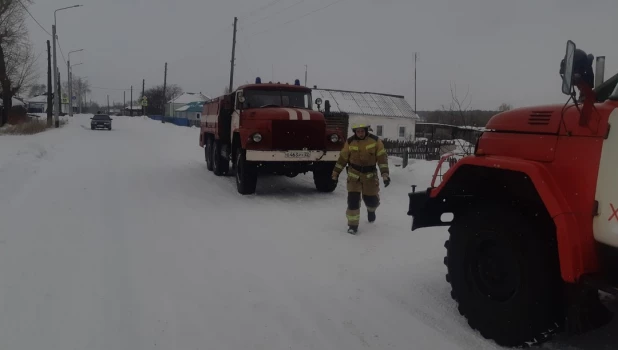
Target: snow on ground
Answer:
[[122, 239]]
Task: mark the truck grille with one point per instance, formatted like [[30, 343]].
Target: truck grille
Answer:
[[539, 118], [336, 120], [298, 134]]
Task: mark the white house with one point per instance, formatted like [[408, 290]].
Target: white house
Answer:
[[390, 116], [184, 99], [37, 104], [191, 111]]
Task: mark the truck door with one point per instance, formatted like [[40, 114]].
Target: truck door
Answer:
[[605, 225]]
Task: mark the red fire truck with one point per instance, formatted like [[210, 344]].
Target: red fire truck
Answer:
[[533, 214], [270, 128]]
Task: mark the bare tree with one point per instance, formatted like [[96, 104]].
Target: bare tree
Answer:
[[81, 88], [17, 61], [457, 113], [156, 100], [37, 89], [505, 107]]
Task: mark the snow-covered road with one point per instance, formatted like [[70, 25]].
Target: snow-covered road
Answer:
[[123, 240]]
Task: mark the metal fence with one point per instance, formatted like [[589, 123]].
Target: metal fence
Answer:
[[420, 149], [176, 121]]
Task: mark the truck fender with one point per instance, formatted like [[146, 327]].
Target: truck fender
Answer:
[[571, 243]]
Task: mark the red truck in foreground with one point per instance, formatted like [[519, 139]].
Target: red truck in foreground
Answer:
[[270, 128], [533, 214]]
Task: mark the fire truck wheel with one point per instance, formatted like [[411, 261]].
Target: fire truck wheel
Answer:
[[322, 177], [208, 153], [504, 272], [220, 165], [246, 174]]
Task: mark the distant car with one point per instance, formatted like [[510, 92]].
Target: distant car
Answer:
[[101, 121]]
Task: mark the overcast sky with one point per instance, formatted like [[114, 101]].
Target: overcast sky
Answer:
[[502, 50]]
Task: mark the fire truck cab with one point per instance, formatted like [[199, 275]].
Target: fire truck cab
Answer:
[[533, 214], [270, 128]]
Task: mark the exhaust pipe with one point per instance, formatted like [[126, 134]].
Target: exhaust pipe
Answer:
[[599, 71]]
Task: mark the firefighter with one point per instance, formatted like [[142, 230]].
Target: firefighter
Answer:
[[364, 155]]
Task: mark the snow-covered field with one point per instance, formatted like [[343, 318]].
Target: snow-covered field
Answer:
[[123, 240]]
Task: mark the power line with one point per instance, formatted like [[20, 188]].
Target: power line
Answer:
[[263, 7], [37, 22], [102, 88], [60, 47], [273, 14], [299, 18]]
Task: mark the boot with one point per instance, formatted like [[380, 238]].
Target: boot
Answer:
[[352, 229], [371, 215]]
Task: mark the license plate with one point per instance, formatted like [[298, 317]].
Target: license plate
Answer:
[[297, 154]]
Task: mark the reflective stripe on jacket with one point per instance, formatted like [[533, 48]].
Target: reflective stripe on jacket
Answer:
[[365, 154]]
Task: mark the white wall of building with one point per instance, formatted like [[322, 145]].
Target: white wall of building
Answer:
[[390, 126]]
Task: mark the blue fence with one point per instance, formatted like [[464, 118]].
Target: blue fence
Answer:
[[175, 121]]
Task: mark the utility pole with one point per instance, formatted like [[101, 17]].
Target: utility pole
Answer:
[[164, 88], [124, 101], [50, 101], [58, 99], [415, 60], [107, 104], [143, 91], [305, 75], [71, 93], [56, 84], [233, 56], [131, 101], [69, 88]]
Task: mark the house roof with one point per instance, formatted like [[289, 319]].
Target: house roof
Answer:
[[189, 97], [193, 107], [37, 99], [14, 102], [366, 103]]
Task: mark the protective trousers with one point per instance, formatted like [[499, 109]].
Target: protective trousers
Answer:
[[368, 186]]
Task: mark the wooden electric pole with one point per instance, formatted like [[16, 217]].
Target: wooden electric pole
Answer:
[[164, 88], [415, 60], [107, 104], [143, 90], [58, 98], [124, 102], [233, 56], [131, 101], [50, 101]]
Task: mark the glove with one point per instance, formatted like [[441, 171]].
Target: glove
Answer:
[[335, 178], [386, 179]]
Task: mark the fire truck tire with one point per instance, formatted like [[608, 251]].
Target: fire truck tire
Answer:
[[504, 272], [208, 154], [220, 165], [322, 177], [246, 174]]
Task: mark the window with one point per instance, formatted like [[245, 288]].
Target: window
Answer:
[[379, 130], [197, 116], [276, 98], [402, 131]]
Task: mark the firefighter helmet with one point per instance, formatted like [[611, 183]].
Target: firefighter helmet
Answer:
[[360, 126]]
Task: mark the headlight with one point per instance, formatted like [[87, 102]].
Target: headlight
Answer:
[[334, 138], [257, 137]]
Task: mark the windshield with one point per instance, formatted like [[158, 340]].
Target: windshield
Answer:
[[101, 117], [278, 98]]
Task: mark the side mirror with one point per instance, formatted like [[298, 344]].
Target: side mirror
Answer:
[[241, 99], [566, 68]]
